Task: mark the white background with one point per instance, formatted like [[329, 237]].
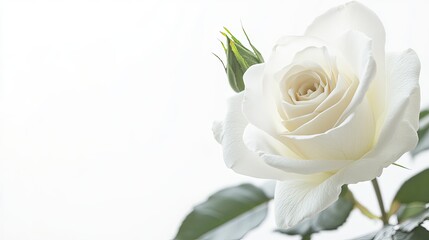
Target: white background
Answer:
[[106, 110]]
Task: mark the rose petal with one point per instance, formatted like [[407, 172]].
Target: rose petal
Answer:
[[355, 16], [303, 198], [285, 49], [356, 49], [398, 131], [325, 120], [260, 108], [353, 65], [277, 155], [350, 16], [297, 199], [235, 153], [349, 141], [326, 114], [310, 63], [300, 166]]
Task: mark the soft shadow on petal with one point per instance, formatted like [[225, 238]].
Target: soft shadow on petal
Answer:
[[398, 131], [277, 155], [299, 166], [327, 119], [349, 141], [357, 67], [236, 155], [350, 16], [284, 51], [356, 50], [259, 108], [310, 63]]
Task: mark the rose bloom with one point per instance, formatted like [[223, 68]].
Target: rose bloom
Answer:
[[328, 108]]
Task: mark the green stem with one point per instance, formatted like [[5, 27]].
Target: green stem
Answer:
[[380, 201]]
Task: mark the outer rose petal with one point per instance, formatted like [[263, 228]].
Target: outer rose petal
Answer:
[[258, 108], [357, 50], [286, 48], [350, 16], [277, 155], [301, 198], [297, 199], [236, 155], [399, 131], [349, 141]]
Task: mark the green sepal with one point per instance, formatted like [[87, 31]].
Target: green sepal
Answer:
[[257, 53]]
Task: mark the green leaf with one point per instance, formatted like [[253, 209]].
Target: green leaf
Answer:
[[414, 189], [407, 211], [389, 233], [415, 221], [424, 113], [423, 131], [227, 214], [411, 229], [329, 219], [419, 233]]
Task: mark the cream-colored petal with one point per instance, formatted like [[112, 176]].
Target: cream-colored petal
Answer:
[[356, 51], [259, 107], [287, 47], [290, 106], [350, 16], [260, 142], [398, 130], [236, 155], [278, 155], [301, 198], [320, 56], [349, 141], [306, 82], [300, 166], [355, 16], [294, 123], [357, 67], [298, 198], [293, 111], [335, 95], [327, 119], [331, 100]]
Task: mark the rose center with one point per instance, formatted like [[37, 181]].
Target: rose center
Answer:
[[306, 87]]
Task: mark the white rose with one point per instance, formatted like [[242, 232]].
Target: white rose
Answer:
[[328, 108]]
